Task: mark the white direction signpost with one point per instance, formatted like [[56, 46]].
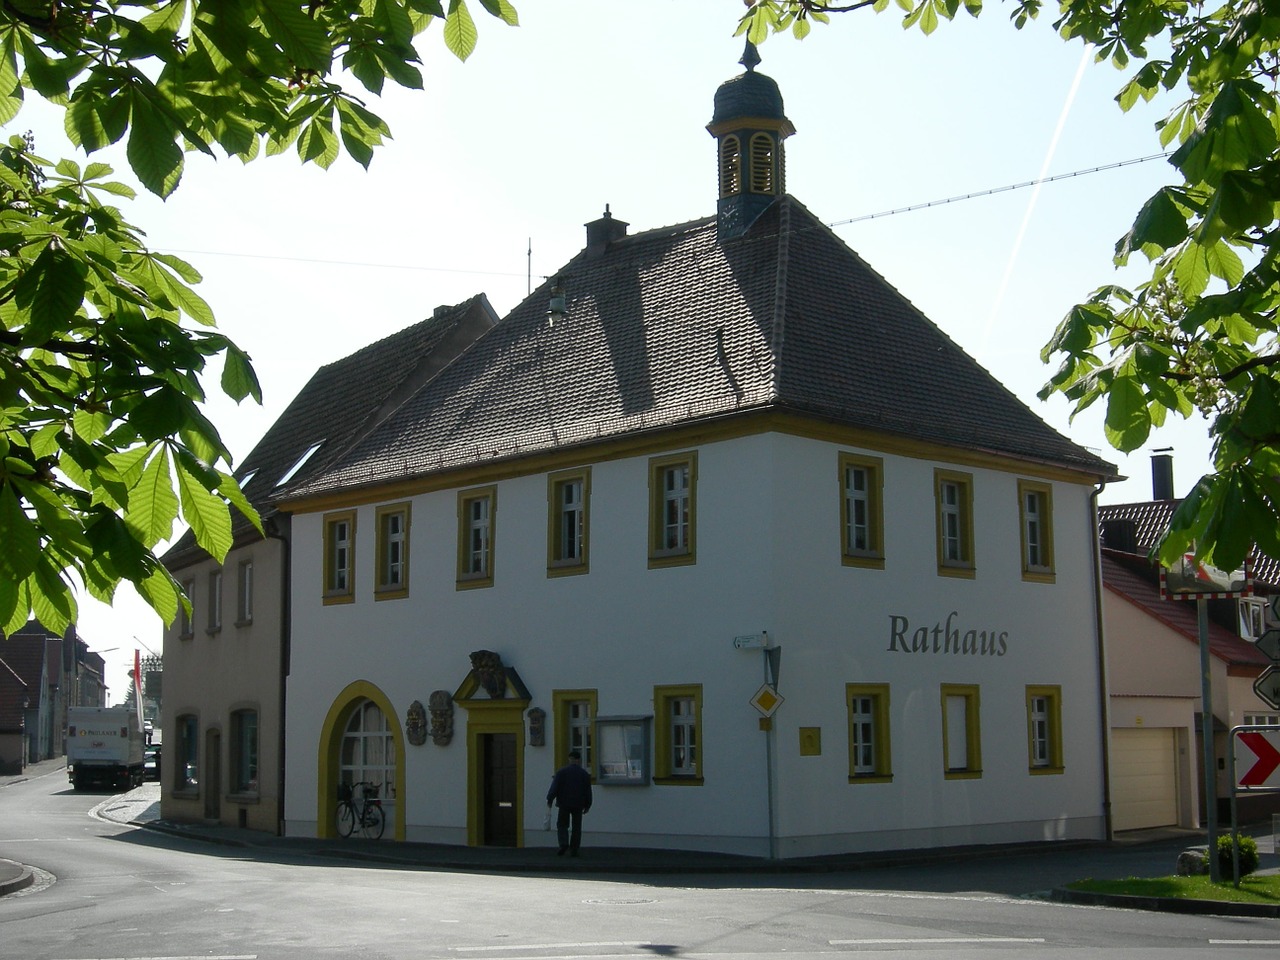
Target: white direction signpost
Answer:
[[1267, 686]]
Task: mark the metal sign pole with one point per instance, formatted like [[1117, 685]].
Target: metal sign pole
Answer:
[[1206, 727]]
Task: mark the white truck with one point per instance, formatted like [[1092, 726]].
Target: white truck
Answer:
[[104, 747]]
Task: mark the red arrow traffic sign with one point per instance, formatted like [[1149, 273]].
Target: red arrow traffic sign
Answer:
[[1265, 759]]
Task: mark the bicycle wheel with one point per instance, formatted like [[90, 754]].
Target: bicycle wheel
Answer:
[[372, 822], [346, 818]]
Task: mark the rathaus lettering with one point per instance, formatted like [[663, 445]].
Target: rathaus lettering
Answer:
[[945, 637]]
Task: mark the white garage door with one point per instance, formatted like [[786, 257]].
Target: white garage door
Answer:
[[1144, 789]]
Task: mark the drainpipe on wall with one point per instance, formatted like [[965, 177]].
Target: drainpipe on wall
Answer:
[[1104, 699], [279, 528]]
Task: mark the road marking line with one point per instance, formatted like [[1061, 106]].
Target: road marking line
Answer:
[[551, 946], [1244, 943], [896, 941]]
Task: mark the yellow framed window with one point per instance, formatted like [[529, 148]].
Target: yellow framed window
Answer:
[[673, 510], [339, 557], [678, 734], [574, 713], [1035, 523], [953, 504], [1044, 729], [393, 551], [870, 759], [477, 516], [568, 499], [861, 511], [961, 734]]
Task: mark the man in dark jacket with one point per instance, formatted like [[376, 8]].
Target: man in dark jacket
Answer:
[[571, 792]]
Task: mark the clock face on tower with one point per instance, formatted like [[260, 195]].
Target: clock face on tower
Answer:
[[730, 219]]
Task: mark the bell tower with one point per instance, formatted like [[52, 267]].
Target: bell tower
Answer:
[[749, 126]]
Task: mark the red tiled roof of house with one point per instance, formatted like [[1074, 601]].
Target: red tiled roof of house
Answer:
[[1133, 579]]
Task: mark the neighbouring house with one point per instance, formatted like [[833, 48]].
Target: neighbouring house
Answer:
[[14, 698], [721, 509], [72, 674], [1154, 673], [225, 661], [28, 658]]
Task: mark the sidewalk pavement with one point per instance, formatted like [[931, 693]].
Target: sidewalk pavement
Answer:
[[1150, 853]]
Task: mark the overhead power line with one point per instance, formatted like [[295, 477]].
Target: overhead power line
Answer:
[[995, 190], [836, 223]]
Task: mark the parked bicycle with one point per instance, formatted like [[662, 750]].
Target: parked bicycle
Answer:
[[358, 805]]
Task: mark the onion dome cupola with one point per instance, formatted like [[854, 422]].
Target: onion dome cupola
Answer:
[[749, 127]]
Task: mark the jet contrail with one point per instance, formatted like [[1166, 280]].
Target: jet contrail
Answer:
[[1085, 57]]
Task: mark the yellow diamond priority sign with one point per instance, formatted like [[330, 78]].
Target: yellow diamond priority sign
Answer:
[[767, 700]]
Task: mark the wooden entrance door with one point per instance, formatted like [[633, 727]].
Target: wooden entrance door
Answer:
[[498, 762]]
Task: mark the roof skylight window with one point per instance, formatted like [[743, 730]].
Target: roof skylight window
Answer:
[[300, 464]]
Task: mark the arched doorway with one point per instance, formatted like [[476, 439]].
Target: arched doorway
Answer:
[[361, 740]]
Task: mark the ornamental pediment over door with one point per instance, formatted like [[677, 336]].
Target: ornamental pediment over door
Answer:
[[490, 679]]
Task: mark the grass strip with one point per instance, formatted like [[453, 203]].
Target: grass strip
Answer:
[[1252, 889]]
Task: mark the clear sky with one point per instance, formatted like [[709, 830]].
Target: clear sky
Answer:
[[595, 102]]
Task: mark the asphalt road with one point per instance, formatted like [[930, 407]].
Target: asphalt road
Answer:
[[112, 890]]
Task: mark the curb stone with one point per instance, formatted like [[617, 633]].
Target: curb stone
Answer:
[[25, 877], [1223, 908]]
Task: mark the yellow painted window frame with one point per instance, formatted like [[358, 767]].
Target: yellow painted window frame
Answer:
[[873, 556], [556, 566], [334, 594], [763, 164], [1045, 572], [879, 694], [972, 695], [730, 166], [658, 555], [663, 696], [966, 565], [560, 700], [382, 590], [466, 579], [1053, 694]]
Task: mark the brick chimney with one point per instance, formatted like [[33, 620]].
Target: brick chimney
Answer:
[[1162, 474]]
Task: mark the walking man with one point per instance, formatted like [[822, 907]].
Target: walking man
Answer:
[[571, 792]]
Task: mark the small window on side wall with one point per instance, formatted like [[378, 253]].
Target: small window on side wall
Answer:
[[187, 610]]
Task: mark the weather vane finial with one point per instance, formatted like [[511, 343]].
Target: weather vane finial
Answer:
[[750, 57]]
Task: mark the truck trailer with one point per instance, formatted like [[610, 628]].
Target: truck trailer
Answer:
[[104, 747]]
